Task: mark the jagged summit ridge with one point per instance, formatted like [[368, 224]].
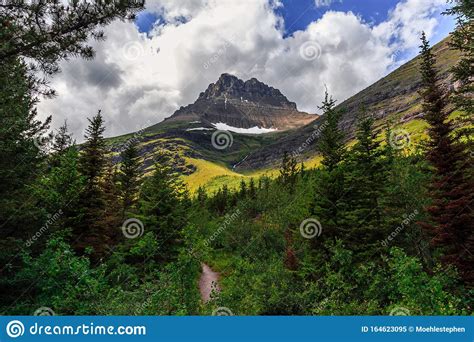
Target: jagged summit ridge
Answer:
[[231, 87], [243, 104]]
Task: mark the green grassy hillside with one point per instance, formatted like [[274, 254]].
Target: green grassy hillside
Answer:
[[394, 101]]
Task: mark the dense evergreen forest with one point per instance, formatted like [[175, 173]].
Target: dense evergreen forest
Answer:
[[375, 230]]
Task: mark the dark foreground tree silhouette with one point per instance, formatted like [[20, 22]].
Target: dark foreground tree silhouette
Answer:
[[128, 176], [452, 223], [163, 208], [89, 231], [45, 32], [21, 149]]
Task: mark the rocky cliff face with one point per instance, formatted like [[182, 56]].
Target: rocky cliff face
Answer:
[[252, 91], [243, 104]]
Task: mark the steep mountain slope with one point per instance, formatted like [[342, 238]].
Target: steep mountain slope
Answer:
[[243, 104], [188, 135], [192, 152], [394, 100]]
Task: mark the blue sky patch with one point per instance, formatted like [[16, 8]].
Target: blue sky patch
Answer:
[[298, 14], [145, 21]]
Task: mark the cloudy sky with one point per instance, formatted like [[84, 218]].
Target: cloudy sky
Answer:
[[147, 69]]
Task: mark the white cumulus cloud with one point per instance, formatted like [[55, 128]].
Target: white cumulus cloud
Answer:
[[325, 3], [139, 79]]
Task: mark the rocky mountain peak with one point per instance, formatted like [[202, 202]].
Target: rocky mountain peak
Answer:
[[243, 104], [231, 87]]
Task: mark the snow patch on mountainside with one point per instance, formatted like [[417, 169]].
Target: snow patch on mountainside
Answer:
[[199, 129], [252, 130]]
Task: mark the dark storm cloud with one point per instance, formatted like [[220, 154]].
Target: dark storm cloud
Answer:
[[95, 73]]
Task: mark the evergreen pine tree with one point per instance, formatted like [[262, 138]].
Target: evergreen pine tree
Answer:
[[366, 178], [59, 189], [21, 152], [221, 199], [243, 189], [89, 231], [201, 196], [331, 140], [129, 176], [224, 199], [302, 169], [288, 171], [163, 209], [45, 32], [252, 189], [452, 219], [112, 217], [463, 75], [62, 140], [92, 159], [329, 188]]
